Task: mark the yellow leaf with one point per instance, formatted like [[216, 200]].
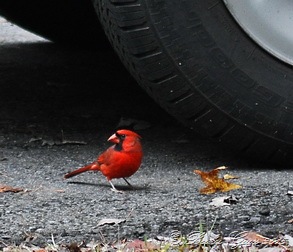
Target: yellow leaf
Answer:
[[214, 183]]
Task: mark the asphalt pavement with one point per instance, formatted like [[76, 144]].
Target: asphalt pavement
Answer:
[[59, 105]]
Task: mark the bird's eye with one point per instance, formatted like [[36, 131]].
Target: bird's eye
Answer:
[[122, 136]]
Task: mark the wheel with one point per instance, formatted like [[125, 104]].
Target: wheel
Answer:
[[69, 22], [195, 60]]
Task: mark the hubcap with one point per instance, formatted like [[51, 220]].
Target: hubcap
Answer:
[[268, 22]]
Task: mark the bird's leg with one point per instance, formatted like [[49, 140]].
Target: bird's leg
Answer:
[[130, 185], [114, 188]]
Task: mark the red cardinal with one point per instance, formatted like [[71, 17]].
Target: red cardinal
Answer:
[[121, 160]]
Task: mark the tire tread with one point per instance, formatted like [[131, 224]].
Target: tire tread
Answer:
[[139, 47]]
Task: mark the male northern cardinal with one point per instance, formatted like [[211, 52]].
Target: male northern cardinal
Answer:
[[121, 160]]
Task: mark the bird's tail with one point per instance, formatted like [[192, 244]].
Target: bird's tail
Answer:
[[93, 166]]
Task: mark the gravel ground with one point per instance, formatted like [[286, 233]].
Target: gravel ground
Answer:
[[49, 94]]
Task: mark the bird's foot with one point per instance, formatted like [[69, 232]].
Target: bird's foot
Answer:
[[113, 189], [116, 191], [130, 185]]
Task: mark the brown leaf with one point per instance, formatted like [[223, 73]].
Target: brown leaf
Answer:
[[255, 237], [138, 245], [73, 247], [214, 183], [5, 188]]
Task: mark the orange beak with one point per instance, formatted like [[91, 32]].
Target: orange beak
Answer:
[[113, 139]]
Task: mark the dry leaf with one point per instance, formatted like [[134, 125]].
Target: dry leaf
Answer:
[[45, 142], [214, 183], [73, 247], [219, 201], [5, 188], [229, 176], [271, 249], [110, 221], [138, 245], [257, 238], [289, 240], [224, 201]]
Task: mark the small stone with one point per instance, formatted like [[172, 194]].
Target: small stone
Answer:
[[244, 217], [6, 237], [265, 211], [254, 220], [32, 229]]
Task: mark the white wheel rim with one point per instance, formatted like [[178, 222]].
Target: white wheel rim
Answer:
[[268, 22]]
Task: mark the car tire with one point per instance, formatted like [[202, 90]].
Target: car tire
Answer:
[[200, 66]]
